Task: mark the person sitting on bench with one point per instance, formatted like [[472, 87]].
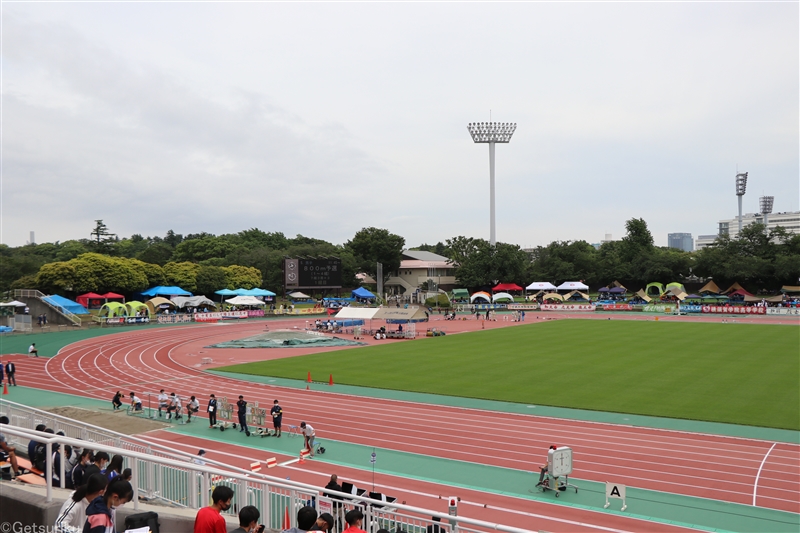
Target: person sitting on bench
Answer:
[[117, 401], [9, 452], [136, 403], [192, 408], [32, 350], [174, 405]]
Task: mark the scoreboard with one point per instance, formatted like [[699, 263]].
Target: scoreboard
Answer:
[[314, 273]]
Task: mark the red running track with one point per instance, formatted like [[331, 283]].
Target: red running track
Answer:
[[731, 469]]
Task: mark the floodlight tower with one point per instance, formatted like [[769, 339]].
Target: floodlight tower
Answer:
[[741, 187], [491, 133], [765, 203]]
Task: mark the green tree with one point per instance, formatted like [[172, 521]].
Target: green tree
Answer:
[[101, 273], [157, 253], [56, 277], [154, 273], [237, 276], [210, 279], [371, 245], [201, 248], [102, 239], [483, 265], [183, 274], [70, 250]]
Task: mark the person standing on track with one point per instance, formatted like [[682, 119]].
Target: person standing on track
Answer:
[[277, 417], [163, 402], [212, 411], [242, 413], [308, 435], [11, 370]]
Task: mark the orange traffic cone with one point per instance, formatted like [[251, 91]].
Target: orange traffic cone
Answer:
[[330, 380], [5, 388], [308, 379], [287, 522]]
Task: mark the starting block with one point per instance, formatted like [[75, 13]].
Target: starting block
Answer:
[[223, 425], [265, 432]]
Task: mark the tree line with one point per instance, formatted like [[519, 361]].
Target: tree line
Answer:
[[203, 262]]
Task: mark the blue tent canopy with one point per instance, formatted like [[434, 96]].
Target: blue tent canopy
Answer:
[[65, 303], [253, 292], [226, 292], [166, 291], [361, 292]]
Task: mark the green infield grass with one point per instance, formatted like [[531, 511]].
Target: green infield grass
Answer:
[[731, 373]]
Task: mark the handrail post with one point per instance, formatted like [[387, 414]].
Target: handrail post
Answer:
[[61, 475], [48, 474], [135, 479]]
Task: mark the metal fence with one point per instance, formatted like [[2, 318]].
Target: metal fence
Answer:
[[190, 485]]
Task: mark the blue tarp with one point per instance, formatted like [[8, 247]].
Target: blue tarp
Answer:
[[166, 291], [65, 303], [361, 292]]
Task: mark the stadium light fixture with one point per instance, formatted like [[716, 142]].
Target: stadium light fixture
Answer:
[[765, 204], [741, 188], [491, 133]]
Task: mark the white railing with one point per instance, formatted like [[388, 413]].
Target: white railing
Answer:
[[29, 417], [31, 293], [192, 483]]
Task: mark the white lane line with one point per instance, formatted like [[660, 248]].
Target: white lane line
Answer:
[[755, 485]]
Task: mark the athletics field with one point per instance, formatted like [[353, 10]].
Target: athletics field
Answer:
[[732, 373]]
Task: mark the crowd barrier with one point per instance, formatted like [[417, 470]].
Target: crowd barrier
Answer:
[[189, 485], [565, 307], [734, 310], [783, 310]]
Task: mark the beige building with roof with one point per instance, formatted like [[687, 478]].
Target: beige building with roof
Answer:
[[418, 268]]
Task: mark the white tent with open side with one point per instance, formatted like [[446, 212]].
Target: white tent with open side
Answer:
[[364, 313], [573, 286], [15, 303], [541, 286], [502, 296], [244, 300]]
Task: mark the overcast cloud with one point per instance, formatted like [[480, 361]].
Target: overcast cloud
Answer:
[[321, 119]]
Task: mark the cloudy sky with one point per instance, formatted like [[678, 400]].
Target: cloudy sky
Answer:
[[323, 118]]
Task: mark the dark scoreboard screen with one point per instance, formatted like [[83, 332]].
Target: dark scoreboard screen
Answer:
[[311, 273]]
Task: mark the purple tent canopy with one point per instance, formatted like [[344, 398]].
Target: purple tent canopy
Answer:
[[618, 290], [603, 289]]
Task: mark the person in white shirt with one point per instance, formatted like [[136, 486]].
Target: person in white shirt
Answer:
[[198, 460], [72, 515], [136, 403], [32, 350], [308, 435], [174, 405], [163, 401], [193, 407]]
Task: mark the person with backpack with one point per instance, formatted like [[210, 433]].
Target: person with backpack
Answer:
[[100, 516], [72, 515]]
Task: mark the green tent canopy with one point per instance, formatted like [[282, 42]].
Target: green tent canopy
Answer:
[[113, 309]]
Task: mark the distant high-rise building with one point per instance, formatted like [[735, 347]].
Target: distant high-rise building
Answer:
[[681, 241], [790, 221]]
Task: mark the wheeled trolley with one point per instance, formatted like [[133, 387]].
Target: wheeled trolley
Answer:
[[555, 474]]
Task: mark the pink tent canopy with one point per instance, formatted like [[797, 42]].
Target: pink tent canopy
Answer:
[[112, 296]]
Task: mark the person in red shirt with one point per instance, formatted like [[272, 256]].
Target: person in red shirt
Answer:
[[209, 519], [354, 519]]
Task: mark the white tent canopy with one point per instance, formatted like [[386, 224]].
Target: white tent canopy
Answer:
[[365, 313], [192, 301], [573, 286], [245, 300], [15, 303], [541, 286], [502, 296], [299, 295]]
